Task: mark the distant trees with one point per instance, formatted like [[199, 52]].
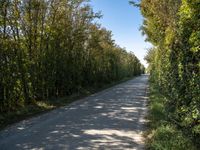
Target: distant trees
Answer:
[[52, 48], [173, 27]]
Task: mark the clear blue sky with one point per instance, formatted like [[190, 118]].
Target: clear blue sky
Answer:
[[124, 21]]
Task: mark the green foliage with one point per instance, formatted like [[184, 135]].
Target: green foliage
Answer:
[[168, 138], [162, 133], [53, 49], [173, 28]]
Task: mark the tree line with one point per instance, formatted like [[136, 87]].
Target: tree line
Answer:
[[54, 48], [173, 27]]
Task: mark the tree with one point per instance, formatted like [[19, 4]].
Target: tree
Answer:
[[173, 28], [52, 49]]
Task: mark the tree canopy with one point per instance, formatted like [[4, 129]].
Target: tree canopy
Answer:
[[53, 48], [173, 27]]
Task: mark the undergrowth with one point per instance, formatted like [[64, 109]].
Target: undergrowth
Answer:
[[163, 134]]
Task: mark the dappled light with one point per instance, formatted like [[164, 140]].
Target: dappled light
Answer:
[[111, 119]]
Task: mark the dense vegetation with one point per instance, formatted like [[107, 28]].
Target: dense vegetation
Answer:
[[53, 48], [173, 27], [162, 133]]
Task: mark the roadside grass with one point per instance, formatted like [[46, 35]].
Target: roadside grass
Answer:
[[44, 106], [163, 134]]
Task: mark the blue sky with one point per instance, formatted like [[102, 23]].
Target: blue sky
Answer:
[[124, 21]]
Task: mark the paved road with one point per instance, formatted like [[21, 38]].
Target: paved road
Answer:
[[111, 119]]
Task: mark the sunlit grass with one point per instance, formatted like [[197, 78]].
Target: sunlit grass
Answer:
[[44, 105]]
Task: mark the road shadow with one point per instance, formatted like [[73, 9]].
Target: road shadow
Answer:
[[111, 119]]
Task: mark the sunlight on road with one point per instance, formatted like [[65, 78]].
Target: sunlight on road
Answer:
[[109, 135], [111, 119]]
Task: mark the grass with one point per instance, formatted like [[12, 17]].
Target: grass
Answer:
[[163, 134], [40, 107]]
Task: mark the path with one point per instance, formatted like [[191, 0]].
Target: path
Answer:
[[112, 119]]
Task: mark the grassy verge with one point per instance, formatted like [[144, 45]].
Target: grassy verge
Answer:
[[163, 134], [40, 107]]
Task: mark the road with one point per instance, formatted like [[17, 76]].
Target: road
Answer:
[[112, 119]]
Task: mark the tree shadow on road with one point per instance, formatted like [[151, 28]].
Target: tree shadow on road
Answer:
[[109, 120]]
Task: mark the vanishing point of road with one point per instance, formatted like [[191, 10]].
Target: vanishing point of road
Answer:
[[113, 119]]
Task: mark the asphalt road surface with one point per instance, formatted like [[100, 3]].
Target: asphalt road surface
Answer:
[[112, 120]]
